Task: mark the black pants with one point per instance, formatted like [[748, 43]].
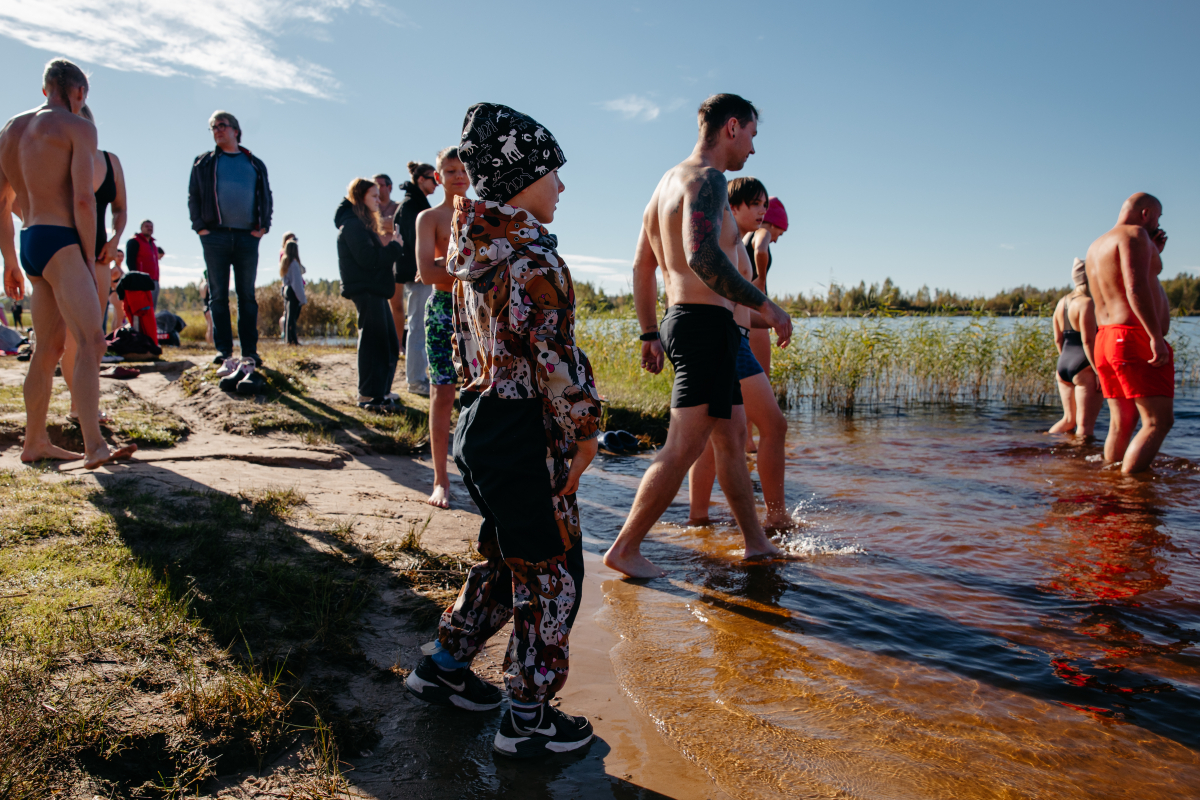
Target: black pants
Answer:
[[531, 576], [291, 315], [378, 346]]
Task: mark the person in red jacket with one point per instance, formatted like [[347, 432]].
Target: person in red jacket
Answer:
[[141, 254]]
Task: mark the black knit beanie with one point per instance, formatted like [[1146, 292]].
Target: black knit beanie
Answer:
[[505, 151]]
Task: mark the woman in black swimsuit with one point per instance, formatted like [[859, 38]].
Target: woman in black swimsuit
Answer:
[[1074, 333], [109, 192]]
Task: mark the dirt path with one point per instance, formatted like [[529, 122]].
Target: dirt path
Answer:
[[422, 751]]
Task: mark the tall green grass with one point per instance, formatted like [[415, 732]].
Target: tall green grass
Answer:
[[842, 364]]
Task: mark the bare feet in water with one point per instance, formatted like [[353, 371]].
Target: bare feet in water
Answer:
[[780, 522], [634, 564], [104, 455], [48, 452], [704, 522], [773, 554], [440, 498]]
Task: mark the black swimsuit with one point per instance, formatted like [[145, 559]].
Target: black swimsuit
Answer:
[[1072, 360], [104, 195], [749, 242]]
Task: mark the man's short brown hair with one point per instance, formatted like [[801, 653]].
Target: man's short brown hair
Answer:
[[744, 191], [719, 109], [62, 76]]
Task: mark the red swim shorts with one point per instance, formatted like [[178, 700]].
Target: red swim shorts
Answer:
[[1123, 364]]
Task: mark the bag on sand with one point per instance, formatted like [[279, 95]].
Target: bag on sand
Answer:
[[125, 341]]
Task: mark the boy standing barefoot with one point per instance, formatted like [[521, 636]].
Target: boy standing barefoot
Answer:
[[433, 240], [527, 431]]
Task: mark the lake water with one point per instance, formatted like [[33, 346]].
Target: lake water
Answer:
[[981, 613]]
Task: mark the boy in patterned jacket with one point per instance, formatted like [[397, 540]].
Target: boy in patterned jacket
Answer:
[[526, 432]]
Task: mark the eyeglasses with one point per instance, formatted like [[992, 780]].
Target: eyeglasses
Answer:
[[220, 126], [428, 177]]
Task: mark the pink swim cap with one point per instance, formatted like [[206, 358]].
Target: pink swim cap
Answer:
[[776, 214]]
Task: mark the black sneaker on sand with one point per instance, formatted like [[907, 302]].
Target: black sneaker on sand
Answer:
[[553, 732], [460, 688]]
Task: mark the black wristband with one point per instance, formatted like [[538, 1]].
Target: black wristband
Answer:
[[649, 336]]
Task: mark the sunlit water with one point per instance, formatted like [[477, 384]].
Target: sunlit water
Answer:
[[980, 612]]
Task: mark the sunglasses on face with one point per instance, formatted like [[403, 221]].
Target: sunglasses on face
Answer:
[[428, 177]]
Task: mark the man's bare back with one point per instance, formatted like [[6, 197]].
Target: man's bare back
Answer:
[[42, 144], [1119, 260]]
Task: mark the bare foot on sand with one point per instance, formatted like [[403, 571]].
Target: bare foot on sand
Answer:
[[634, 564], [49, 452], [440, 497], [104, 456]]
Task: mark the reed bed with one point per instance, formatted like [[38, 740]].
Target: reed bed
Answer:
[[841, 364]]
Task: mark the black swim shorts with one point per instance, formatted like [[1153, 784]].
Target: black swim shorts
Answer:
[[702, 342]]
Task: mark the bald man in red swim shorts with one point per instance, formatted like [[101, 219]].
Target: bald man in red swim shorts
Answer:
[[1135, 364]]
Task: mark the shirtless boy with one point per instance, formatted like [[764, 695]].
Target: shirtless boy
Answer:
[[433, 239], [46, 178], [689, 229], [1135, 364], [748, 201]]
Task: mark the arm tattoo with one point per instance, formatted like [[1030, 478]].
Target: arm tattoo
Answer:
[[707, 259]]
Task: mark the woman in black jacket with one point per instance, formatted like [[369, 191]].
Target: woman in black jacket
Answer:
[[367, 256], [413, 294]]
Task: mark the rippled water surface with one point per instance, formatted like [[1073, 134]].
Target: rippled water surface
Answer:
[[980, 612]]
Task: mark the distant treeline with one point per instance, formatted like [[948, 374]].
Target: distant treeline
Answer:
[[1183, 291]]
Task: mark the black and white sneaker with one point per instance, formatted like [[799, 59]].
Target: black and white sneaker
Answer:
[[460, 688], [553, 732]]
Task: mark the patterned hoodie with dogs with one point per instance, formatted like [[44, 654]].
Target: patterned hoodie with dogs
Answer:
[[514, 322], [514, 338]]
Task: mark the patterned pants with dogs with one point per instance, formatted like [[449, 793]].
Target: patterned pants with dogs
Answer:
[[533, 573]]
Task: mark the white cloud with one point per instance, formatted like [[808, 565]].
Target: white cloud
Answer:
[[226, 39], [633, 107], [600, 267]]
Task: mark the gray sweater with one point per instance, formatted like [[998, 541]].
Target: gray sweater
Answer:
[[295, 279]]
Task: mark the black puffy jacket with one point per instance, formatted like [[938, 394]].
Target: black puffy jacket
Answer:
[[414, 203], [365, 265]]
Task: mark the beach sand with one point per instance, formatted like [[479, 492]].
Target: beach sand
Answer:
[[422, 751]]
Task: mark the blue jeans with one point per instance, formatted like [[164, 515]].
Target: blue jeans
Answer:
[[226, 249]]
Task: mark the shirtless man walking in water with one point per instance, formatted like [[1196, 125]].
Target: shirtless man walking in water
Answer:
[[1135, 364], [689, 229], [46, 173]]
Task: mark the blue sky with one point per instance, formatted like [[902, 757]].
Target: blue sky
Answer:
[[970, 146]]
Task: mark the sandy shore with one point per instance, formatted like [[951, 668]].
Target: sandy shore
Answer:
[[422, 751]]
